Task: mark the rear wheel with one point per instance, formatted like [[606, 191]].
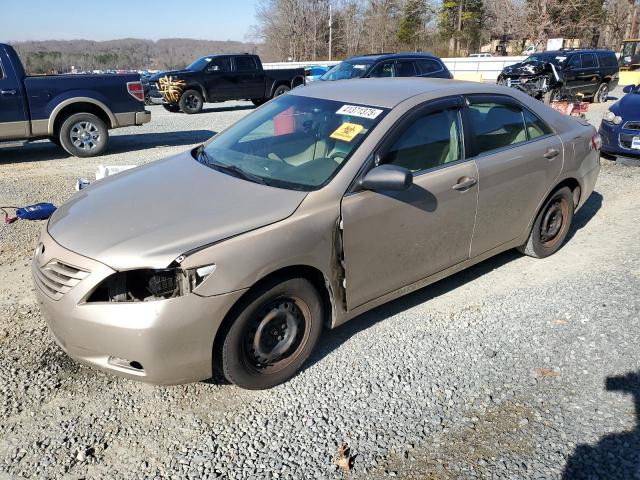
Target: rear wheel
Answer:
[[171, 107], [273, 334], [84, 135], [602, 94], [551, 225], [280, 90], [191, 102]]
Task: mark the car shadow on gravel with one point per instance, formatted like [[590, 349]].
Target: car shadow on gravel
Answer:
[[615, 456], [333, 339], [45, 150], [235, 108]]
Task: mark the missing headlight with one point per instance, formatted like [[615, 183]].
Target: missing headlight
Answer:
[[146, 285]]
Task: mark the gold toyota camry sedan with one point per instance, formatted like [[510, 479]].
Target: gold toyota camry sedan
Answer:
[[315, 208]]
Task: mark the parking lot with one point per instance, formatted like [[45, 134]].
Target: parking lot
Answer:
[[515, 368]]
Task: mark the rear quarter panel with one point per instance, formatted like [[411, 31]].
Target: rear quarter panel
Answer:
[[47, 92]]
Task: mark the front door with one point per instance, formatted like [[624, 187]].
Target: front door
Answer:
[[393, 239], [218, 80], [14, 122]]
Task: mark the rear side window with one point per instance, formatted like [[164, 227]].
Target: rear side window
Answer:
[[535, 126], [406, 68], [588, 60], [497, 125], [427, 66], [431, 140], [246, 64]]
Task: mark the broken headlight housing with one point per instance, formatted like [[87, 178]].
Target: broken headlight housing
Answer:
[[611, 117], [147, 284]]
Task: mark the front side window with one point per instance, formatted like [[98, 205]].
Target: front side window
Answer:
[[348, 69], [220, 64], [1, 71], [246, 64], [384, 69], [497, 125], [406, 68], [574, 62], [292, 142], [430, 141]]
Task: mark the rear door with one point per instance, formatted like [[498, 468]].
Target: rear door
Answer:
[[518, 158], [14, 121], [589, 74], [250, 79], [393, 239]]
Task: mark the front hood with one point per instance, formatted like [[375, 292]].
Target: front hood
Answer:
[[528, 68], [628, 107], [148, 216], [174, 73]]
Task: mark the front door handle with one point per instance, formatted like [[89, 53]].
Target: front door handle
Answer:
[[8, 92], [464, 183], [551, 153]]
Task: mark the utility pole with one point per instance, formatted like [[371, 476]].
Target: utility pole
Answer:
[[330, 31]]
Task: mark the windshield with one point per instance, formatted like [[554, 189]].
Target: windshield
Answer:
[[199, 64], [557, 60], [347, 69], [292, 142]]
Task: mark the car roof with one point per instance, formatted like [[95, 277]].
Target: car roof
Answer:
[[389, 92], [576, 50], [387, 56]]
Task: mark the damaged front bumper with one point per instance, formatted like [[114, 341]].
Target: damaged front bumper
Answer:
[[161, 341]]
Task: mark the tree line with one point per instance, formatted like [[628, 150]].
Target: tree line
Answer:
[[129, 54], [303, 29]]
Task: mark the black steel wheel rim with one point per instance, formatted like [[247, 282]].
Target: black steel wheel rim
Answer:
[[192, 102], [553, 222], [276, 334]]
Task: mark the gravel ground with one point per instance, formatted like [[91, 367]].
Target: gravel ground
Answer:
[[515, 368]]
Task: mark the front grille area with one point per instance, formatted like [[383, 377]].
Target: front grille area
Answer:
[[513, 81], [631, 126], [57, 278]]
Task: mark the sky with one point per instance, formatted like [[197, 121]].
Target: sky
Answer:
[[111, 19]]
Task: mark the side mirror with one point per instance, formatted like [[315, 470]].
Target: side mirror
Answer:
[[628, 88], [213, 68], [387, 178]]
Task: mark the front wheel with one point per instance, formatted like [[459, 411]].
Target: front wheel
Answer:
[[84, 135], [191, 102], [551, 226], [551, 96], [171, 107], [272, 334], [258, 101]]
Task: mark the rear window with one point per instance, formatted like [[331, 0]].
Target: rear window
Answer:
[[244, 64], [607, 59], [497, 125], [588, 60], [427, 66], [406, 68], [535, 126]]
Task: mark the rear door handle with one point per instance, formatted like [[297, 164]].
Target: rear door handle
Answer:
[[8, 92], [551, 153], [464, 183]]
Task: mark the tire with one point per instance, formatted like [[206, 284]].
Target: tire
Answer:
[[258, 353], [550, 96], [551, 226], [602, 94], [170, 107], [191, 102], [280, 90], [258, 101], [55, 140], [84, 135]]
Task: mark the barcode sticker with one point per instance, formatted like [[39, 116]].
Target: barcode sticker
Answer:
[[357, 111]]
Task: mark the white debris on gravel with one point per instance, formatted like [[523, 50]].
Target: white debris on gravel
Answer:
[[500, 371]]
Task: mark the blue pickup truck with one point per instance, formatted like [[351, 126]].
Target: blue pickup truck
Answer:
[[73, 111]]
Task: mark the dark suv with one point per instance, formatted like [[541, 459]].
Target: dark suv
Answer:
[[389, 65], [559, 74]]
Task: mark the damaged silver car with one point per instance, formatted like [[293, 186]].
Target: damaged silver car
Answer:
[[321, 205]]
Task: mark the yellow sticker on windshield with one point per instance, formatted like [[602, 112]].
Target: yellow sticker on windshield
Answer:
[[347, 132]]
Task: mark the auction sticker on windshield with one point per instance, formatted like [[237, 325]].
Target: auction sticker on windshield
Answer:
[[357, 111], [346, 132]]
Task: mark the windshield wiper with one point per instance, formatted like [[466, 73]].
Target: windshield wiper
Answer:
[[203, 156]]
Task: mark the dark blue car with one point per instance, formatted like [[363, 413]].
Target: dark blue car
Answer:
[[620, 127]]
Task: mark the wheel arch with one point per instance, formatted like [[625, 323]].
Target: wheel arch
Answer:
[[278, 83], [75, 105], [297, 81], [576, 190], [314, 275]]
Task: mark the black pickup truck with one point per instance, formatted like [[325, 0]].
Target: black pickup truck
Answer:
[[73, 111], [218, 78]]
